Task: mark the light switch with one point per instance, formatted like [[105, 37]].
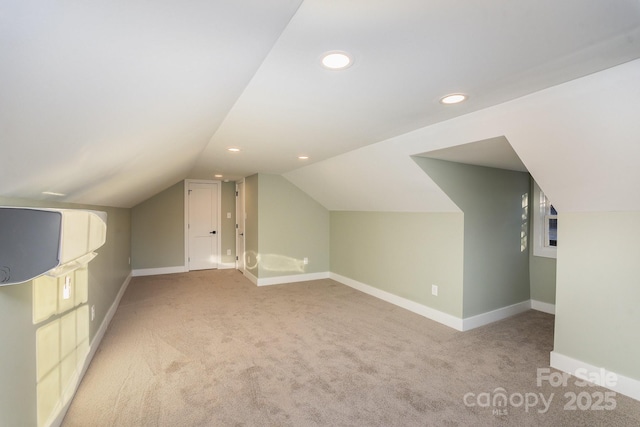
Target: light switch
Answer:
[[228, 215]]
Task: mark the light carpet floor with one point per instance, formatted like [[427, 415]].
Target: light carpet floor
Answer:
[[209, 348]]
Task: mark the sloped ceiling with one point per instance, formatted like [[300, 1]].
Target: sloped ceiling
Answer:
[[579, 141], [111, 102], [492, 153]]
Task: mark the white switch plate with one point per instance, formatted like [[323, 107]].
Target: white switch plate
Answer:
[[434, 290], [305, 260], [228, 215], [228, 251], [93, 312]]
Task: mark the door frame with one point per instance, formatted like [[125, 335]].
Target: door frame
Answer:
[[186, 218], [241, 216]]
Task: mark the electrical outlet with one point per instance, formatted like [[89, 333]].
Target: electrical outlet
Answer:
[[305, 260], [434, 290], [228, 215], [66, 289], [228, 251]]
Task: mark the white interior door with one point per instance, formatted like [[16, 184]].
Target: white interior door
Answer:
[[203, 225], [240, 217]]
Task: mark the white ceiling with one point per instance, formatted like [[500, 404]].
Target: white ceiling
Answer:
[[579, 141], [110, 102]]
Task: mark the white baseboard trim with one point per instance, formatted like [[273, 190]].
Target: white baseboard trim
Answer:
[[495, 315], [155, 271], [545, 307], [250, 276], [422, 310], [267, 281], [619, 383], [93, 347], [107, 320], [226, 265]]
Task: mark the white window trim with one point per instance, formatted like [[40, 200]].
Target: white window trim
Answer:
[[540, 235]]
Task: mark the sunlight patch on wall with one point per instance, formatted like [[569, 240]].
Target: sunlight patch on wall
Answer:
[[274, 262], [62, 343], [524, 227]]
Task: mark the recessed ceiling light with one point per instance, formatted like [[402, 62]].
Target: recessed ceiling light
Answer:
[[217, 175], [303, 157], [53, 193], [233, 149], [454, 98], [336, 60]]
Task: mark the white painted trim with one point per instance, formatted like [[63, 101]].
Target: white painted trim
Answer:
[[422, 310], [97, 339], [251, 277], [623, 385], [105, 322], [495, 315], [156, 271], [186, 217], [538, 208], [267, 281], [545, 307], [226, 265], [241, 219], [185, 194]]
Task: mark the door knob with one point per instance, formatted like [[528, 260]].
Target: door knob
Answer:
[[212, 232]]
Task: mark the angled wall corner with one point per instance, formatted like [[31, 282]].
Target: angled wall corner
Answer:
[[496, 251], [157, 230], [292, 227]]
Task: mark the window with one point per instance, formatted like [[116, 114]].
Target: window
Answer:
[[550, 225], [545, 225]]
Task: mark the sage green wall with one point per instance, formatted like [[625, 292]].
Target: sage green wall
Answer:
[[542, 275], [157, 239], [107, 273], [228, 225], [598, 290], [291, 226], [402, 253], [157, 230], [496, 266], [17, 357], [251, 187]]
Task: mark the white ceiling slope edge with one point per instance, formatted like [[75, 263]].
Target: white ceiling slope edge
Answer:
[[580, 140], [492, 153], [110, 102]]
